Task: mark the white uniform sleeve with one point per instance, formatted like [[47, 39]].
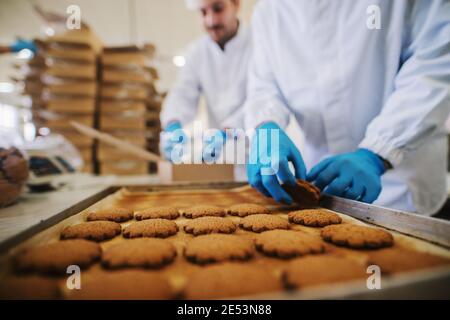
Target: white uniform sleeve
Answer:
[[264, 100], [419, 106], [182, 101]]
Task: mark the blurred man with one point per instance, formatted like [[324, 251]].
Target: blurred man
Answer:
[[216, 67], [369, 86]]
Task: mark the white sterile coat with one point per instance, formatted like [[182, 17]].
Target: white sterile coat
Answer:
[[351, 86], [219, 75]]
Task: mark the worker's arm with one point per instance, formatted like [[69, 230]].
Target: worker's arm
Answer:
[[418, 108], [415, 112], [264, 100], [265, 109], [181, 104]]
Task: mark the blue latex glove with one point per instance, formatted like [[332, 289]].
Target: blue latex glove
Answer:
[[213, 145], [21, 44], [355, 175], [269, 161], [173, 136]]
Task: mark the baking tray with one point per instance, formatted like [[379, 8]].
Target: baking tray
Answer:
[[417, 232]]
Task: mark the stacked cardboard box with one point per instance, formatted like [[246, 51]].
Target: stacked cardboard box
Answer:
[[28, 76], [127, 85], [70, 86]]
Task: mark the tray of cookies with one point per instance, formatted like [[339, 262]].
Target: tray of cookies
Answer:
[[214, 241]]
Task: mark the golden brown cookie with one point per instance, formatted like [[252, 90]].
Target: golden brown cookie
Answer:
[[218, 247], [393, 260], [112, 214], [159, 228], [170, 213], [227, 280], [123, 285], [206, 225], [263, 222], [56, 257], [304, 193], [288, 244], [144, 253], [203, 211], [29, 287], [95, 230], [355, 236], [246, 209], [314, 217], [322, 269]]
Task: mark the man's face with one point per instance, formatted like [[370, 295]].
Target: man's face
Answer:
[[220, 18]]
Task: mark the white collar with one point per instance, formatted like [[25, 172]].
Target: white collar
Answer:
[[234, 43]]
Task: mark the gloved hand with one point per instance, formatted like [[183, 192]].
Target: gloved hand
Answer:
[[21, 44], [213, 145], [355, 175], [270, 154], [173, 136]]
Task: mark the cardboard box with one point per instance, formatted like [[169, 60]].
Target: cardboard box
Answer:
[[122, 56], [63, 121], [86, 154], [169, 172], [77, 139], [138, 136], [109, 154], [33, 87], [74, 104], [68, 69], [119, 106], [71, 52], [122, 121], [86, 88], [154, 103], [126, 74], [124, 168], [80, 37], [123, 91]]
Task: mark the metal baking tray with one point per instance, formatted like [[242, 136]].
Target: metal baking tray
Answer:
[[422, 231]]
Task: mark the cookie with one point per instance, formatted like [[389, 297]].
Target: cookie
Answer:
[[206, 225], [263, 222], [123, 285], [322, 269], [355, 236], [112, 214], [230, 280], [95, 230], [56, 257], [288, 244], [203, 211], [159, 228], [303, 193], [393, 260], [218, 247], [157, 212], [144, 253], [314, 217], [246, 209], [29, 287]]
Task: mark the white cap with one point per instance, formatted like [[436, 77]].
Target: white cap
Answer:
[[193, 4]]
